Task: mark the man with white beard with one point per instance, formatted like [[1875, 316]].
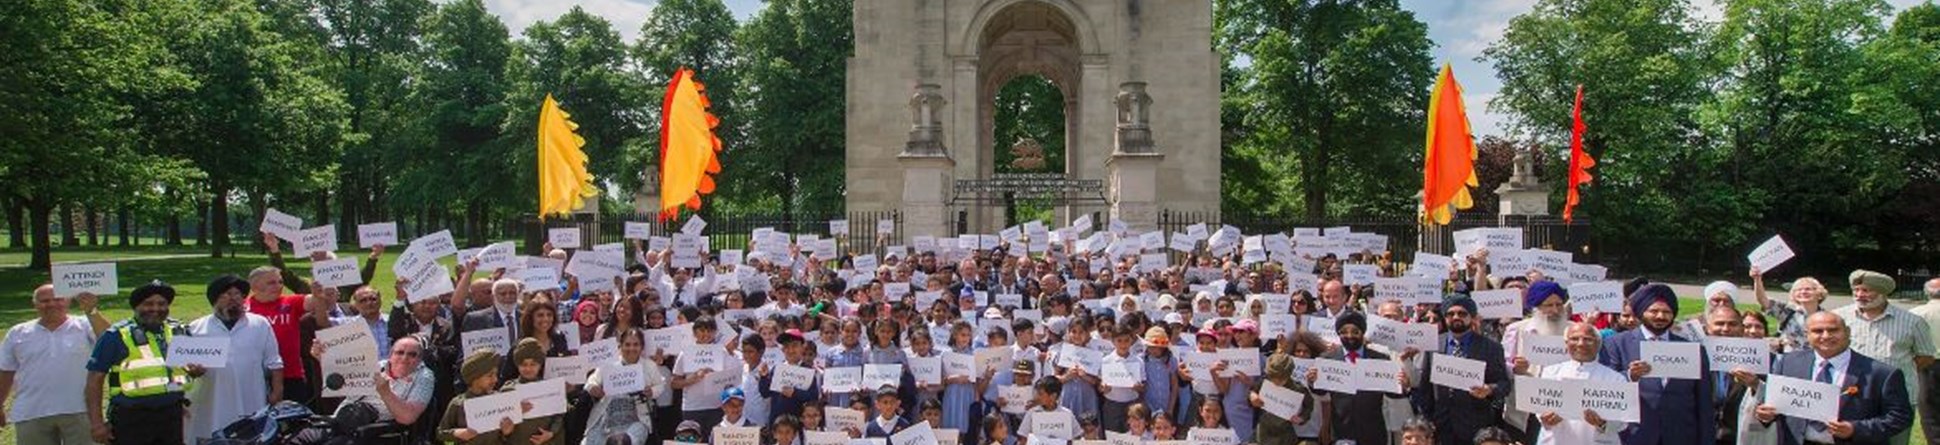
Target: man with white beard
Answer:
[[1550, 317], [1716, 295], [1887, 333]]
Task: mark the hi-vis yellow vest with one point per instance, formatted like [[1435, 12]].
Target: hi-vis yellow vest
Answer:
[[145, 372]]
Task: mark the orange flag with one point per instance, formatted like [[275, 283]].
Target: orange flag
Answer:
[[564, 184], [1580, 161], [1448, 169], [687, 146]]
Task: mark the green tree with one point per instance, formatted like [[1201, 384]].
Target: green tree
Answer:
[[581, 61], [375, 48], [65, 124], [794, 58], [1901, 71], [1794, 122], [266, 123], [1645, 69], [1336, 91], [462, 99]]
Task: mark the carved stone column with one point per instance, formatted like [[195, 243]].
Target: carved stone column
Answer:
[[1524, 192], [1134, 165], [928, 172]]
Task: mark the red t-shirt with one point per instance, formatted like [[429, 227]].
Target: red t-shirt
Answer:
[[283, 315]]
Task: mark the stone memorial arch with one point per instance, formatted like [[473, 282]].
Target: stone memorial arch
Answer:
[[1140, 83]]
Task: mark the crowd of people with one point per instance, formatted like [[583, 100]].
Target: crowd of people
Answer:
[[989, 346]]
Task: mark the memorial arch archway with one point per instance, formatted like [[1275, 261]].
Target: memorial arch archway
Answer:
[[1017, 39]]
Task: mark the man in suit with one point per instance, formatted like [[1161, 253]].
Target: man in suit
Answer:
[[502, 314], [1459, 414], [1873, 401], [1727, 392], [1675, 411], [1358, 416]]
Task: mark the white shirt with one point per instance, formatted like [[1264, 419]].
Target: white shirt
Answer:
[[755, 411], [48, 367], [1123, 395], [224, 394], [708, 392], [1571, 432]]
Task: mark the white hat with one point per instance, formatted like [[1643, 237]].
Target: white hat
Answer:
[[1721, 286]]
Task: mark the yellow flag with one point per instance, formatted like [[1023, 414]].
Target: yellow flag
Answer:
[[1448, 168], [687, 146], [564, 184]]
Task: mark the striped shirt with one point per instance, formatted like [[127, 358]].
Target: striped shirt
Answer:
[[1896, 337]]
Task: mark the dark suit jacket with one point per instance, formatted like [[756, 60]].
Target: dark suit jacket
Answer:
[[1728, 408], [1872, 396], [488, 318], [1358, 416], [1675, 411], [1457, 414]]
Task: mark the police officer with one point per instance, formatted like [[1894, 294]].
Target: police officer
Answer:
[[146, 400]]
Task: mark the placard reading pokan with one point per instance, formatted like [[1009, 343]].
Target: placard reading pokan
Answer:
[[1675, 360]]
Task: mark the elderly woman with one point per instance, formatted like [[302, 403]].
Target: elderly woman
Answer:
[[1806, 295]]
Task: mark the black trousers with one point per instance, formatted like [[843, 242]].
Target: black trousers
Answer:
[[1927, 402], [143, 425]]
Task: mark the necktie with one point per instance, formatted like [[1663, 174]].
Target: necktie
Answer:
[[1353, 356], [1455, 349], [511, 326], [1824, 376]]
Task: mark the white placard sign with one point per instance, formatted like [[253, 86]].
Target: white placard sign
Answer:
[[1769, 254], [316, 239], [1544, 350], [336, 273], [1017, 399], [1379, 376], [842, 380], [616, 378], [572, 368], [1456, 372], [737, 435], [877, 376], [1611, 401], [436, 245], [1336, 376], [607, 350], [926, 370], [1675, 360], [918, 434], [637, 230], [791, 376], [1245, 361], [1541, 396], [485, 413], [210, 352], [1281, 401], [1803, 399], [1054, 424], [885, 227], [537, 278], [1121, 375], [548, 397], [1498, 303], [384, 233], [1596, 296], [349, 360], [1728, 354], [813, 437], [563, 237], [839, 227], [283, 225], [844, 419], [502, 255], [495, 339], [94, 278], [1212, 436], [1359, 274]]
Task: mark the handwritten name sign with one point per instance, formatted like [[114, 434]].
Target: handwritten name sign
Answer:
[[283, 225], [349, 360], [1456, 372], [74, 279], [1544, 350], [622, 379], [1281, 401], [376, 234], [210, 352], [1770, 254], [571, 368], [563, 238], [1596, 296], [316, 239], [1500, 303], [484, 413]]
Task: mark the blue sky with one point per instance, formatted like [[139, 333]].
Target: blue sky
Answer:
[[1461, 29]]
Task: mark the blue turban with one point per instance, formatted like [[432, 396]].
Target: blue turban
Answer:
[[1651, 294], [1465, 302], [1541, 290]]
